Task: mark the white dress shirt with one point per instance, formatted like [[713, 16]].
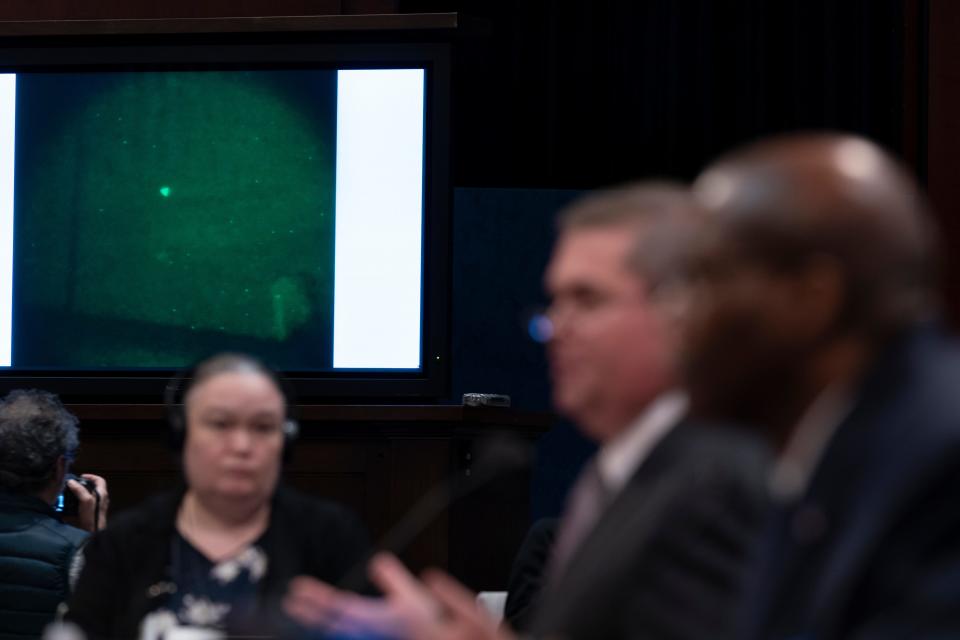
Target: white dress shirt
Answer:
[[608, 472], [797, 462], [619, 458]]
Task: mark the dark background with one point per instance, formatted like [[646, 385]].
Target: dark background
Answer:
[[575, 95], [588, 93], [552, 97]]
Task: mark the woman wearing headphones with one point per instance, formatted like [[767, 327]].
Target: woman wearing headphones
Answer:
[[217, 554]]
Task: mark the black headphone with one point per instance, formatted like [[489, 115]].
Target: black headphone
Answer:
[[181, 384]]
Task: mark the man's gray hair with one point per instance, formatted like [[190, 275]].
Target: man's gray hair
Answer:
[[35, 430], [662, 212]]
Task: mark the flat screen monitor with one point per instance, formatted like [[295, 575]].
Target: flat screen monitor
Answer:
[[162, 203]]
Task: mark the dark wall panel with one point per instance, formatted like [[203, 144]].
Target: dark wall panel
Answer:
[[98, 9], [943, 135], [501, 243], [502, 240]]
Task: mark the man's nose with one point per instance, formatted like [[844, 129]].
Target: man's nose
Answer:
[[241, 440]]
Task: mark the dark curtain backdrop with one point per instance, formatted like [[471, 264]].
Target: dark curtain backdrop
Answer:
[[551, 93]]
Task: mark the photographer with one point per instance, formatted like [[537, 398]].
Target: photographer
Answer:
[[38, 441]]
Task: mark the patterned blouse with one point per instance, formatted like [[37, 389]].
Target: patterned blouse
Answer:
[[206, 592]]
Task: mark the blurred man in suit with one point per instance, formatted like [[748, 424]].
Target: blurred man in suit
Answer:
[[812, 320], [656, 531], [638, 547]]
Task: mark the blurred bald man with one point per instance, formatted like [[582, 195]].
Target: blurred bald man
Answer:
[[813, 319]]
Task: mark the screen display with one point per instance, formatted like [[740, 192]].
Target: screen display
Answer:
[[150, 218]]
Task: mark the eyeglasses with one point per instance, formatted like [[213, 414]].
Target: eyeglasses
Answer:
[[539, 326], [541, 323]]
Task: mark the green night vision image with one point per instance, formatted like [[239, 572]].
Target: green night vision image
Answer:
[[162, 216]]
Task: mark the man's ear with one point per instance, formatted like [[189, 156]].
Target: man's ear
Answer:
[[673, 305], [820, 291], [676, 301]]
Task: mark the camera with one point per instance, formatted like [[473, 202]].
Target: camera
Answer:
[[67, 502]]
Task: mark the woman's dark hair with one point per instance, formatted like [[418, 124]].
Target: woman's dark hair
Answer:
[[228, 363], [35, 430]]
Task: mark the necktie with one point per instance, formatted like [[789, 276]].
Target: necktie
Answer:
[[588, 498]]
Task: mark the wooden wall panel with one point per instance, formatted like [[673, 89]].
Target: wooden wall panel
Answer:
[[943, 136], [104, 9], [379, 468]]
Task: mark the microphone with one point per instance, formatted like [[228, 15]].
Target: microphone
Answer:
[[495, 457]]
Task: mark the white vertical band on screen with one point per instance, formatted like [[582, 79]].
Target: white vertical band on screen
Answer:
[[8, 121], [379, 219]]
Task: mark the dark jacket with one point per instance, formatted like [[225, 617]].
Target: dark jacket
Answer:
[[36, 550], [527, 573], [668, 557], [872, 548], [126, 572]]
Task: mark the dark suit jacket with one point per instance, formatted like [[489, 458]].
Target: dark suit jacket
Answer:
[[872, 549], [666, 559], [527, 573]]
